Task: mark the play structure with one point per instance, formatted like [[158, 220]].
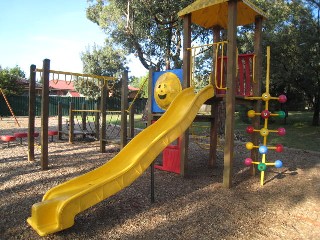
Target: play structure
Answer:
[[174, 107]]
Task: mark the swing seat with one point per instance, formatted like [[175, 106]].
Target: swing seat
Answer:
[[52, 133], [7, 138], [20, 135]]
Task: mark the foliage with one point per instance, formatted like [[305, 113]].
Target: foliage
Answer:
[[293, 32], [102, 61], [150, 29], [141, 83], [10, 80]]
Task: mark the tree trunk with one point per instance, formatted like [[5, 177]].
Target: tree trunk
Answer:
[[316, 117]]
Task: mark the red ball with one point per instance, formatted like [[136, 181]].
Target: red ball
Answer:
[[281, 131], [265, 114], [282, 99], [248, 161], [279, 148], [250, 129]]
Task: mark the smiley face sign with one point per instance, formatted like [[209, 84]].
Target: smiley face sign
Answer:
[[166, 89]]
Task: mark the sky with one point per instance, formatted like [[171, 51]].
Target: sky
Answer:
[[55, 29]]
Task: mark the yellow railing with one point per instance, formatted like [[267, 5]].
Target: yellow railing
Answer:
[[219, 48]]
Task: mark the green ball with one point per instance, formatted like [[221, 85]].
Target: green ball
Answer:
[[262, 167], [282, 114]]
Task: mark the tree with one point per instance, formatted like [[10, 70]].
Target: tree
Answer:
[[102, 61], [10, 80], [292, 31], [149, 29]]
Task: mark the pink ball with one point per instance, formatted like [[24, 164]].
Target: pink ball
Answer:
[[282, 99], [248, 161], [250, 129], [265, 114], [281, 131]]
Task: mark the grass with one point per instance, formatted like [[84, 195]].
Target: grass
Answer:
[[299, 132]]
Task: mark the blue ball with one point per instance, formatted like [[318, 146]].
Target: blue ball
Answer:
[[263, 149], [278, 163]]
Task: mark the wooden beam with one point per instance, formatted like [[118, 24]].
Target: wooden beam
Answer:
[[214, 107], [103, 108], [124, 107], [45, 114], [230, 95], [185, 84], [71, 122], [59, 120], [32, 108]]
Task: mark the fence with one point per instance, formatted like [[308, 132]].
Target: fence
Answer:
[[20, 105]]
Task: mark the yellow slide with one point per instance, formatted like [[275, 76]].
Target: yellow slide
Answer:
[[61, 203]]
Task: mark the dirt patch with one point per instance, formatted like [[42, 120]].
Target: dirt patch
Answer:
[[195, 207]]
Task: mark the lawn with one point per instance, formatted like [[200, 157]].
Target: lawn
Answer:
[[299, 132]]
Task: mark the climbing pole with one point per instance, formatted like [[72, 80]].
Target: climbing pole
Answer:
[[264, 132]]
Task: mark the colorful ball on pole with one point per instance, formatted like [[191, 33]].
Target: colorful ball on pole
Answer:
[[263, 149], [250, 129], [262, 167], [278, 163], [281, 114], [248, 161], [264, 132], [265, 114], [281, 131], [251, 113], [249, 145], [279, 148], [282, 99], [265, 96]]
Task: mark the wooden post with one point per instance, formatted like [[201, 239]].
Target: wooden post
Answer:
[[97, 120], [186, 84], [103, 105], [32, 106], [59, 120], [149, 103], [230, 95], [84, 117], [45, 114], [257, 87], [150, 118], [214, 107], [124, 107], [71, 122], [131, 121]]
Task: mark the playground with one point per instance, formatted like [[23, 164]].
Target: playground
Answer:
[[287, 207]]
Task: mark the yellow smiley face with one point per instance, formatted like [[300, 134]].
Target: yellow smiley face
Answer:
[[166, 89]]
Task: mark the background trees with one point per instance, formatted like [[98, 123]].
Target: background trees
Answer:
[[10, 80], [107, 60]]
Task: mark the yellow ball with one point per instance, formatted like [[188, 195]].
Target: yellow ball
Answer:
[[166, 89], [264, 132], [265, 96], [251, 113], [249, 145]]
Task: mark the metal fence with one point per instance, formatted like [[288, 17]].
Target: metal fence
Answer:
[[20, 105]]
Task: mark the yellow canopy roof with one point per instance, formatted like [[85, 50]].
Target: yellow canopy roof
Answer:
[[210, 13]]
